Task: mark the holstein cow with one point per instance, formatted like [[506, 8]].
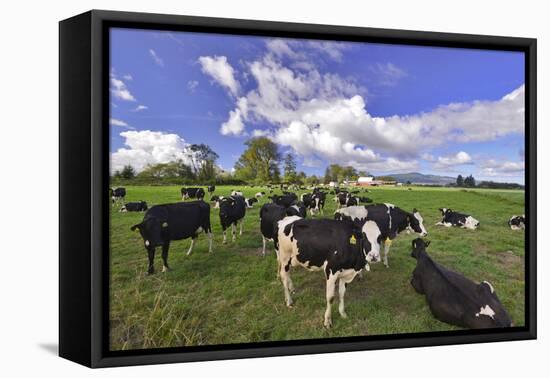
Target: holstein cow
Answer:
[[236, 193], [317, 204], [118, 194], [453, 298], [259, 194], [187, 193], [453, 218], [134, 206], [249, 202], [338, 248], [517, 222], [390, 219], [298, 209], [164, 223], [211, 189], [232, 212], [284, 200]]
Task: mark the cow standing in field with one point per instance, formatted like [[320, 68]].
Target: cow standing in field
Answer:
[[390, 219], [118, 195], [232, 212], [249, 202], [338, 248], [211, 189], [517, 222], [176, 221], [284, 200], [134, 206], [187, 193], [453, 218], [317, 204], [453, 298]]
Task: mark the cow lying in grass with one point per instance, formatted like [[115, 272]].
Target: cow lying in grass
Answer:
[[134, 206], [176, 221], [390, 219], [340, 249], [453, 298], [453, 218]]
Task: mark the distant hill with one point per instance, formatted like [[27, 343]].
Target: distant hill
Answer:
[[419, 178]]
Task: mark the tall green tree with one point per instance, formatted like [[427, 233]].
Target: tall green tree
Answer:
[[259, 162], [201, 153], [459, 181], [470, 181], [289, 165], [128, 172]]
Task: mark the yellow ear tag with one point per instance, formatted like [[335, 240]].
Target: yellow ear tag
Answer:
[[388, 241], [165, 224], [352, 240]]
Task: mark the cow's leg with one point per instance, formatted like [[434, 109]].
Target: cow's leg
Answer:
[[263, 245], [233, 232], [342, 283], [165, 247], [387, 244], [241, 227], [151, 255], [284, 273], [417, 284], [331, 286], [193, 239], [224, 235], [209, 241]]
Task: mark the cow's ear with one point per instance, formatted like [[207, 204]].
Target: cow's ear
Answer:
[[415, 211], [427, 242]]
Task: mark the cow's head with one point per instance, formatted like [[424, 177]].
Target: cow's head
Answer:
[[370, 241], [151, 230], [491, 313], [444, 210], [415, 223], [419, 247]]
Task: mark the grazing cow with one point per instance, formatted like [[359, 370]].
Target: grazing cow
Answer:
[[134, 206], [259, 194], [249, 202], [187, 193], [317, 204], [453, 218], [270, 214], [517, 222], [175, 221], [338, 248], [236, 193], [453, 298], [118, 194], [211, 189], [232, 212], [391, 221], [284, 200]]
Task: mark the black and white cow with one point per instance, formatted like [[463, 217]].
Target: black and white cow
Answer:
[[232, 212], [365, 200], [134, 206], [297, 209], [517, 222], [305, 198], [118, 195], [236, 193], [342, 199], [317, 204], [453, 218], [390, 219], [211, 189], [453, 298], [176, 221], [187, 193], [270, 214], [352, 201], [249, 202], [259, 195], [284, 200], [337, 248]]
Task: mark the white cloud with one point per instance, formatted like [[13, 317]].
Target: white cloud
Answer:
[[150, 147], [281, 47], [140, 108], [221, 71], [192, 85], [333, 50], [445, 162], [119, 123], [119, 89], [128, 77], [156, 58], [234, 125], [388, 74], [494, 168]]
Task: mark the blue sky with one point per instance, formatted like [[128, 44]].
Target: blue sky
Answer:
[[381, 108]]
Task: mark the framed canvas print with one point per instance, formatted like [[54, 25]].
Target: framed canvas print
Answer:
[[233, 188]]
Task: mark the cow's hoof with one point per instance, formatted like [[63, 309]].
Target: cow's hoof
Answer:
[[166, 269], [328, 323], [150, 272], [344, 315]]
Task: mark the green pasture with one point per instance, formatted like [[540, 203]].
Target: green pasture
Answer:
[[233, 296]]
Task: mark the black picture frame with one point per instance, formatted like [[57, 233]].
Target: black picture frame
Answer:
[[84, 180]]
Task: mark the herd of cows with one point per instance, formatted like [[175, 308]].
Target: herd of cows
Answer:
[[342, 247]]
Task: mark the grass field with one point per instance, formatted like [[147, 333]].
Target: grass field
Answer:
[[233, 295]]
